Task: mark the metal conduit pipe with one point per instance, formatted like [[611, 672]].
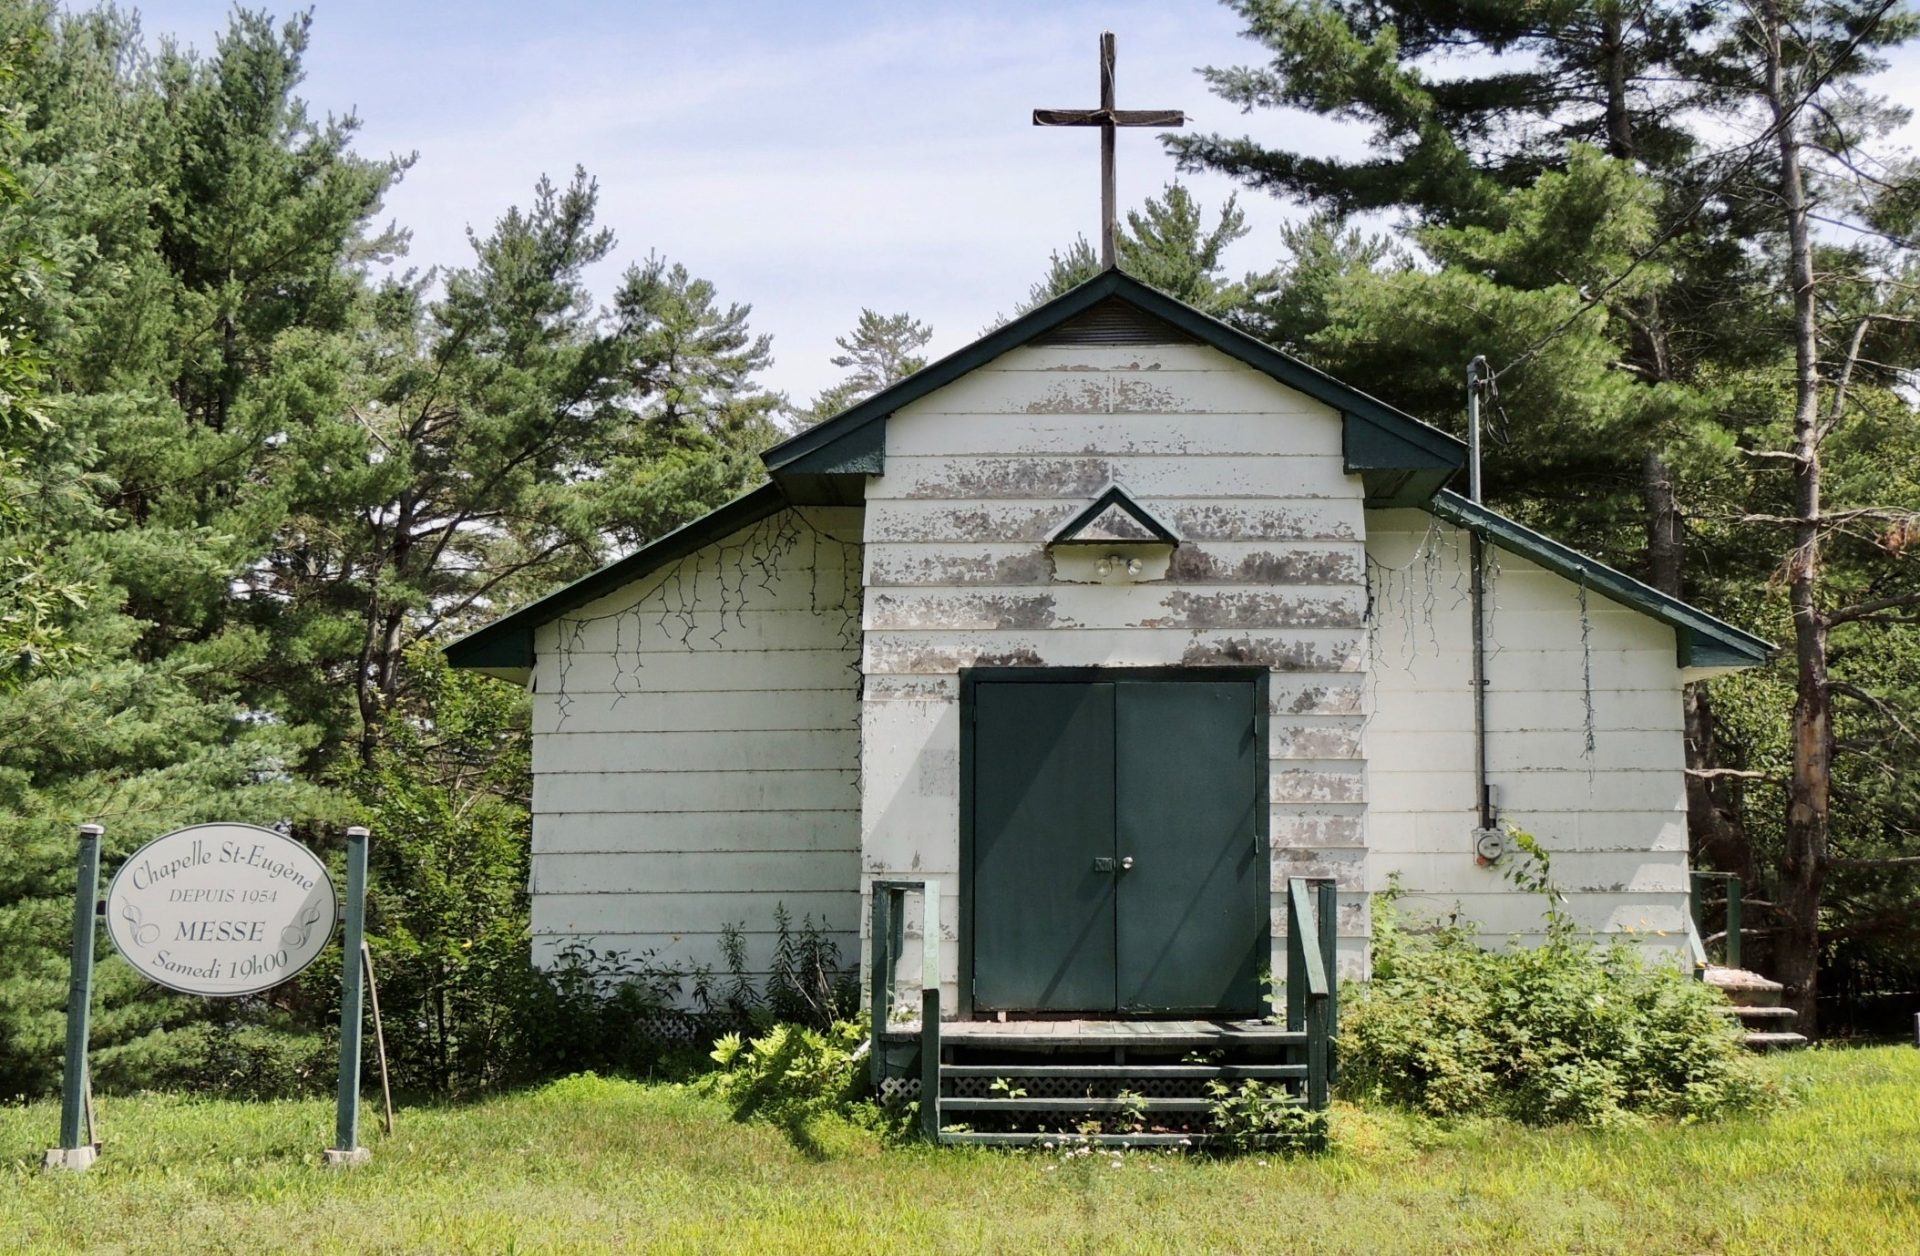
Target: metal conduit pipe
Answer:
[[1488, 842]]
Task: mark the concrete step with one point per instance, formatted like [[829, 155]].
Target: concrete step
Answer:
[[1744, 988], [1775, 1041], [1761, 1017]]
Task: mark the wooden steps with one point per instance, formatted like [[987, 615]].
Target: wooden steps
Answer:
[[1116, 1082], [1090, 1104], [1031, 1138], [1263, 1072], [1104, 1083]]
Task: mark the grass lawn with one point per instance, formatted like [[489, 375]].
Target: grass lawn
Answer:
[[592, 1165]]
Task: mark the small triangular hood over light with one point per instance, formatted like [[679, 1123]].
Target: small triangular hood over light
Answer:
[[1114, 518]]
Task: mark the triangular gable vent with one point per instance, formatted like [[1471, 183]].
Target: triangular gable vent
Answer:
[[1115, 322], [1114, 519]]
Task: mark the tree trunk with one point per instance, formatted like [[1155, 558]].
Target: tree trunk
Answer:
[[1716, 839], [1613, 50], [1804, 860]]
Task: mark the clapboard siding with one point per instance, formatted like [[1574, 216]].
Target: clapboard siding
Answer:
[[1271, 572], [1197, 519], [1113, 436], [1157, 605], [929, 651], [1613, 815], [697, 751], [673, 832], [910, 564], [1195, 476]]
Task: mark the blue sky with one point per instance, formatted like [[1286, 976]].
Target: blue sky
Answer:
[[809, 158]]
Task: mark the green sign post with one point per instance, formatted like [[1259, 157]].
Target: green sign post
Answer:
[[72, 1153], [346, 1149], [280, 909]]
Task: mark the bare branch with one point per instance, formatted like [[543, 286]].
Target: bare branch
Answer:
[[1871, 608]]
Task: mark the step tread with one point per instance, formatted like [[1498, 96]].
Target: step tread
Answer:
[[1775, 1041], [1001, 1103], [1081, 1035], [1225, 1071], [1030, 1139], [1763, 1013]]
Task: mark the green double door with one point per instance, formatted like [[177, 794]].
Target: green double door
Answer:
[[1117, 859]]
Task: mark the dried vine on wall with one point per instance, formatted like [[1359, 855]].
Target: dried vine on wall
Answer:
[[695, 602]]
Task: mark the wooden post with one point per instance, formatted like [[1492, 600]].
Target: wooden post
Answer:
[[930, 1063], [1109, 189], [347, 1149], [1317, 1053], [72, 1153], [1735, 912], [1296, 970], [379, 1035], [1328, 910], [880, 980]]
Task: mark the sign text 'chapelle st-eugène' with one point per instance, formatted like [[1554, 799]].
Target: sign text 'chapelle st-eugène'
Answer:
[[221, 909]]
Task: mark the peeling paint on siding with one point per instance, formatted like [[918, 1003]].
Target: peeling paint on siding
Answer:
[[1193, 564], [981, 611], [1017, 477], [1257, 610], [1279, 653], [1253, 522]]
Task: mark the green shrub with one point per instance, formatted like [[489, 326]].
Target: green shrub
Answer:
[[797, 1077], [1571, 1031], [1256, 1116]]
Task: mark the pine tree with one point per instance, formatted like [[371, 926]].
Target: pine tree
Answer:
[[1166, 243], [880, 351]]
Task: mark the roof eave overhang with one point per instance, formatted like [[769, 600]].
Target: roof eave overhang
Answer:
[[1703, 645], [1401, 460]]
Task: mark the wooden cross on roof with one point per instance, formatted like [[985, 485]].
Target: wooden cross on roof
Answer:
[[1106, 117]]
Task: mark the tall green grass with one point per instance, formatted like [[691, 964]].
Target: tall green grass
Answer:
[[591, 1165]]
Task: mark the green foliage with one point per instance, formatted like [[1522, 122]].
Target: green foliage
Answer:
[[797, 1077], [806, 983], [447, 900], [1570, 1031], [1258, 1116], [1166, 243], [246, 490]]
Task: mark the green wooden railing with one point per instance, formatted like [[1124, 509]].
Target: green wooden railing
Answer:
[[884, 951], [1697, 905], [1313, 983]]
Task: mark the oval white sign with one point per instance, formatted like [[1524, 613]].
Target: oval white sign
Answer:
[[221, 909]]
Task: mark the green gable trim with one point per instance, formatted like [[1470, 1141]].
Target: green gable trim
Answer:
[[506, 644], [1068, 533], [1379, 436], [862, 451], [1702, 640]]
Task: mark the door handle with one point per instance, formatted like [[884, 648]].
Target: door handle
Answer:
[[1126, 863]]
